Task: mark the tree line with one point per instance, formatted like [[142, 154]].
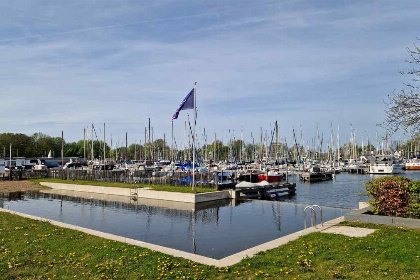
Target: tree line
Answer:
[[40, 145]]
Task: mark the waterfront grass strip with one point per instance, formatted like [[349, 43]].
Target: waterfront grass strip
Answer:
[[33, 249], [167, 188]]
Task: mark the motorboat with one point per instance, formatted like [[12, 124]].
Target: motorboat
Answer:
[[413, 164], [273, 175], [384, 165]]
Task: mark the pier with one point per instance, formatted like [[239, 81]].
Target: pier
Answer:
[[262, 192]]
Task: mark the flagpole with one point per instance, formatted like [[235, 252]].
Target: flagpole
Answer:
[[195, 121], [172, 142]]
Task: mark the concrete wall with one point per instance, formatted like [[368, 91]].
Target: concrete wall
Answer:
[[143, 193], [87, 188], [210, 196]]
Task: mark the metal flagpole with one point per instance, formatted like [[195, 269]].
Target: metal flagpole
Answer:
[[172, 142], [195, 121]]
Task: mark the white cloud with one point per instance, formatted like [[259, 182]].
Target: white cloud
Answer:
[[290, 62]]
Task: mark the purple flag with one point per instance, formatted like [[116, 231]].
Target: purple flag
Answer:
[[187, 103]]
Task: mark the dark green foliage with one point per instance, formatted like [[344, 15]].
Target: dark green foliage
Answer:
[[76, 149], [414, 206], [394, 196], [36, 145]]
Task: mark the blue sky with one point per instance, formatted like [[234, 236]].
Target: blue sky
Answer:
[[67, 64]]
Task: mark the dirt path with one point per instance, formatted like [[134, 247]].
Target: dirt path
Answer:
[[16, 186]]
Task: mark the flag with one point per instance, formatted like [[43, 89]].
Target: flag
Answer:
[[187, 103]]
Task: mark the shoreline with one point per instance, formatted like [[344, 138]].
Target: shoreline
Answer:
[[19, 186]]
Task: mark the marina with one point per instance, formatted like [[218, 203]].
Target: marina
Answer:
[[215, 229], [224, 140]]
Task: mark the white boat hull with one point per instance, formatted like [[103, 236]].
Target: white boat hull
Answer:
[[385, 169], [412, 166]]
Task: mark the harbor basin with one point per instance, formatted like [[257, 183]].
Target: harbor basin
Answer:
[[214, 230]]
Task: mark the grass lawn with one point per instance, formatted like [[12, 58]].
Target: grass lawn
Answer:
[[167, 188], [33, 249]]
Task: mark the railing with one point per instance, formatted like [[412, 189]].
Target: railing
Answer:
[[135, 176], [313, 215]]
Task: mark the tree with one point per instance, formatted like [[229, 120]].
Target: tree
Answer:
[[136, 151], [412, 146], [218, 150], [45, 143], [403, 107], [22, 145]]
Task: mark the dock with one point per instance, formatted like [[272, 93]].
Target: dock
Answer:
[[316, 176], [263, 192]]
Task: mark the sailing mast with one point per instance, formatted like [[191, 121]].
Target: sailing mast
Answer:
[[84, 143], [104, 149], [338, 144], [172, 142], [92, 144], [195, 124], [277, 139], [261, 146]]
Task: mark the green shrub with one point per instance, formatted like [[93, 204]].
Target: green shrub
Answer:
[[414, 204], [389, 195]]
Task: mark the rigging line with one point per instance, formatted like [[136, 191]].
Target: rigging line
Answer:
[[130, 23]]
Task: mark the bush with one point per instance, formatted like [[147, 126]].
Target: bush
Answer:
[[390, 195], [414, 205]]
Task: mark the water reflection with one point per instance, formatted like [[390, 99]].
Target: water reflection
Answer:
[[215, 229], [345, 191]]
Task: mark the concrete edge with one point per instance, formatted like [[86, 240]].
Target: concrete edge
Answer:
[[236, 258], [144, 193], [227, 261], [154, 247], [361, 216]]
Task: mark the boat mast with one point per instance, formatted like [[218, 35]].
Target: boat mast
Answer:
[[104, 148], [84, 143], [277, 139], [145, 143], [242, 144], [126, 145], [150, 147], [172, 141], [338, 144], [261, 145], [92, 144]]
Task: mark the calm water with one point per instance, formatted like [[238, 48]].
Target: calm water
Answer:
[[343, 191], [216, 231]]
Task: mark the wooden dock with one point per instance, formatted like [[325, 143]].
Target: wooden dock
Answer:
[[263, 192], [362, 169], [316, 176]]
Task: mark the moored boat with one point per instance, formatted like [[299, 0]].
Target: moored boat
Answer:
[[413, 164], [384, 165], [271, 176]]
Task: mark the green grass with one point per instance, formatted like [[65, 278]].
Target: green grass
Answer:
[[32, 249], [167, 188]]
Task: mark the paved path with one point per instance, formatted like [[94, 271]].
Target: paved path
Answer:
[[349, 231]]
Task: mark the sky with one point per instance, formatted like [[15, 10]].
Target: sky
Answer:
[[65, 65]]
